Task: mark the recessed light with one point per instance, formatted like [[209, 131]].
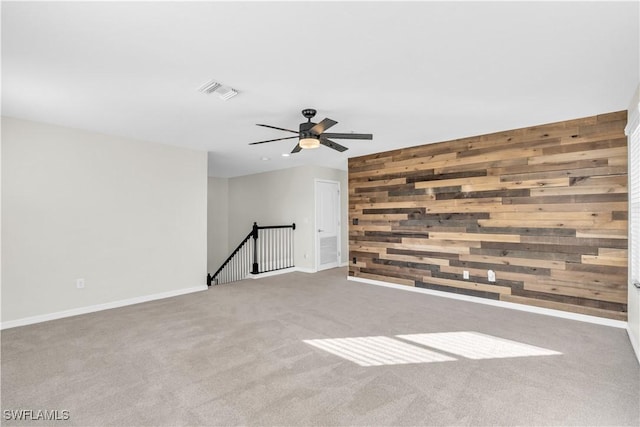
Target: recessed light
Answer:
[[264, 158], [285, 154]]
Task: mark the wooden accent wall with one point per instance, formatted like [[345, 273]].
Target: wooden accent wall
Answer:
[[545, 207]]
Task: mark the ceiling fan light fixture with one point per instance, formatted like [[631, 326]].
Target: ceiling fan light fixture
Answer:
[[309, 143]]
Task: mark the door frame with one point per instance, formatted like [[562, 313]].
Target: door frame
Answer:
[[316, 237]]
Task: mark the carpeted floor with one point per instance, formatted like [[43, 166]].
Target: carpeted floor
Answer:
[[234, 355]]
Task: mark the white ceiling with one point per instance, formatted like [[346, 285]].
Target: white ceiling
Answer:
[[411, 73]]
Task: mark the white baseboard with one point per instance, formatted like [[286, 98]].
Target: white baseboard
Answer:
[[98, 307], [634, 343], [503, 304]]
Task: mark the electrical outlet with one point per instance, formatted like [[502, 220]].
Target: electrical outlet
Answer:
[[79, 283], [491, 275], [465, 274]]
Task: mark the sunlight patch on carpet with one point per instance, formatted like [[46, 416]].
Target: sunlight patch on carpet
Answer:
[[474, 345], [377, 351]]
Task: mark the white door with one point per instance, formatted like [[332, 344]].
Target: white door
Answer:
[[327, 224]]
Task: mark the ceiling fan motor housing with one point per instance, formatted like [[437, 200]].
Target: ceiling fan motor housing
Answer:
[[305, 130]]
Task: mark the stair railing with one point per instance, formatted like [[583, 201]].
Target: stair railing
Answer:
[[271, 249]]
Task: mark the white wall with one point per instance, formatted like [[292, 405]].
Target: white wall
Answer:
[[218, 223], [284, 197], [127, 216]]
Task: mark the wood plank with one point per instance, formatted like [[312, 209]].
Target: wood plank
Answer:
[[539, 223], [385, 278], [599, 260], [613, 253], [591, 280], [565, 307], [570, 191], [600, 294], [421, 259], [586, 146], [529, 254], [468, 285], [583, 155], [470, 237], [558, 207], [559, 167], [507, 185], [527, 262], [459, 181], [603, 234], [447, 246], [552, 216]]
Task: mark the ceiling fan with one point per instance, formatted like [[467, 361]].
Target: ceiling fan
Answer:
[[312, 135]]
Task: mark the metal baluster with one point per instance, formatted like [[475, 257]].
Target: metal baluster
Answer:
[[262, 254], [270, 244], [263, 250], [281, 247], [289, 246], [266, 249], [268, 241]]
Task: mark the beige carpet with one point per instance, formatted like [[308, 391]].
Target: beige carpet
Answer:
[[234, 355]]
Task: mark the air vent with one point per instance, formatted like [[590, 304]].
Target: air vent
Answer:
[[224, 92]]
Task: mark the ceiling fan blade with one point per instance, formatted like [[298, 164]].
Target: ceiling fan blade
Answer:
[[322, 126], [296, 149], [274, 127], [331, 144], [348, 135], [271, 140]]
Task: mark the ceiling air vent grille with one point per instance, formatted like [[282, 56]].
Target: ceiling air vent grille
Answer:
[[224, 92]]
